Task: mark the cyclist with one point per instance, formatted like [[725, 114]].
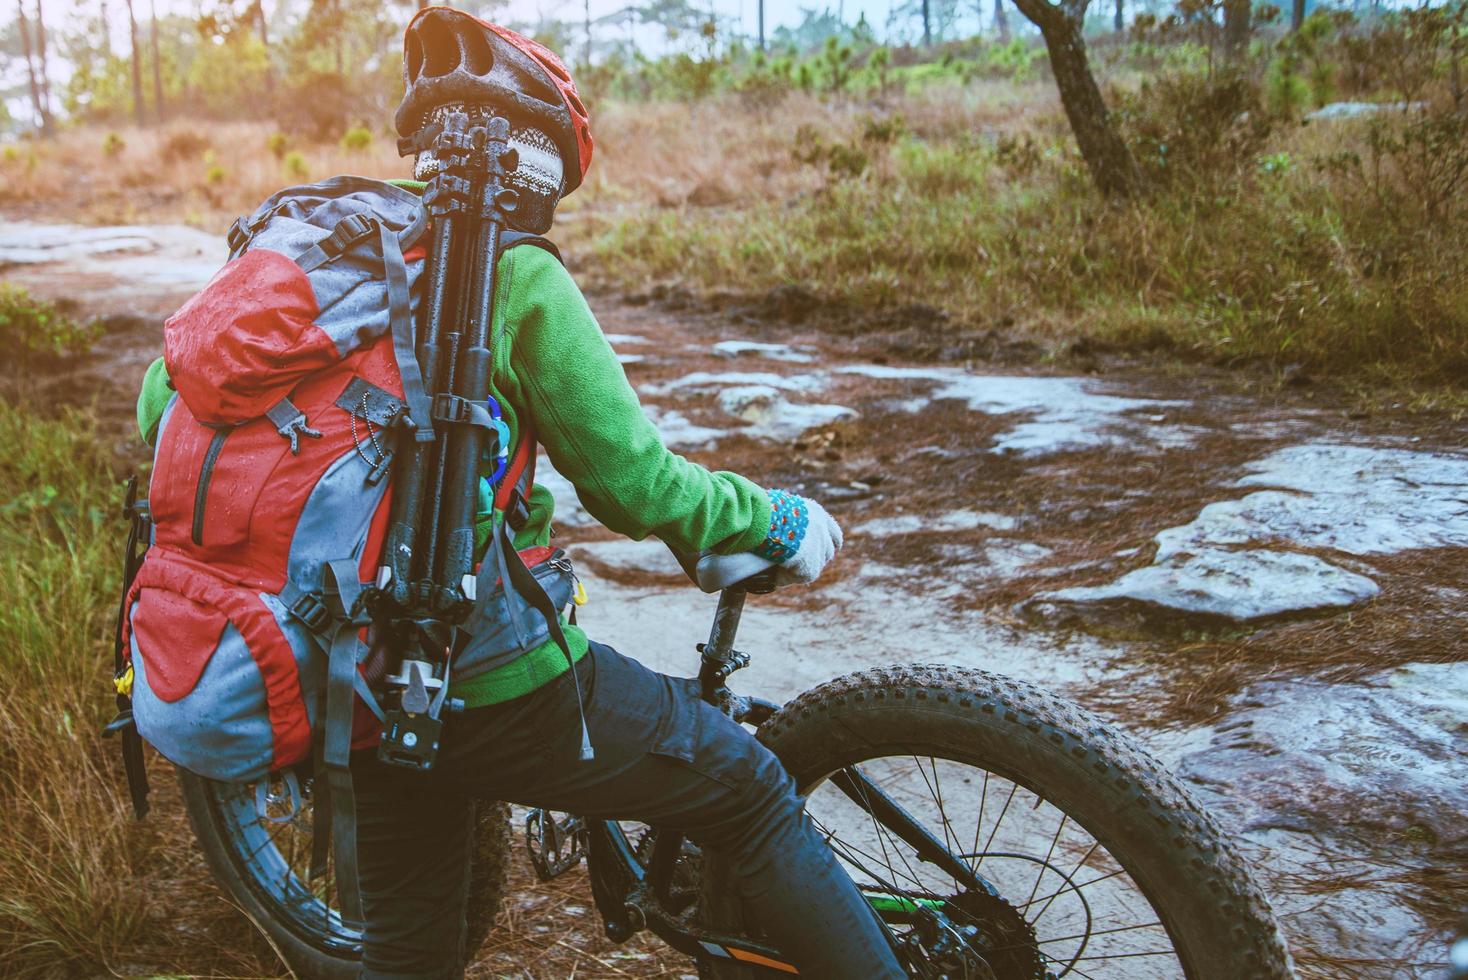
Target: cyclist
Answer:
[[661, 754]]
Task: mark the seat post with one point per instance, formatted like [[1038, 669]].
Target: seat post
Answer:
[[718, 653]]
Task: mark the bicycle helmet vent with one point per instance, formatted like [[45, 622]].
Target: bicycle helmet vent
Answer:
[[453, 58]]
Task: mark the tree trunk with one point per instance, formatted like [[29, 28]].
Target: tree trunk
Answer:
[[261, 28], [1236, 28], [1001, 21], [927, 27], [761, 5], [1297, 14], [158, 107], [586, 16], [132, 31], [105, 36], [30, 62], [1106, 154], [1120, 16], [45, 70]]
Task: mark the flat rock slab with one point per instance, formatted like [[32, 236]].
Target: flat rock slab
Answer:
[[1065, 413], [955, 520], [704, 382], [1391, 751], [167, 256], [1235, 585], [775, 352], [679, 432], [1360, 500], [773, 416], [1357, 500], [1355, 110]]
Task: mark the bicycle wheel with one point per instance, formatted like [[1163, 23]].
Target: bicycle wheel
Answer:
[[1098, 863], [263, 866]]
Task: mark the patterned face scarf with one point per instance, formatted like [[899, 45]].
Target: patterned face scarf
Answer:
[[538, 178]]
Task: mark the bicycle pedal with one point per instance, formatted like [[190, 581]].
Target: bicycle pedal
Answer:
[[554, 846]]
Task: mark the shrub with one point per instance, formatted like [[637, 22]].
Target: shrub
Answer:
[[184, 144], [1193, 127], [278, 143], [112, 146], [1286, 91], [215, 175], [357, 138], [30, 326], [295, 165]]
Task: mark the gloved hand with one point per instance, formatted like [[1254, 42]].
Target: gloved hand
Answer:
[[802, 539]]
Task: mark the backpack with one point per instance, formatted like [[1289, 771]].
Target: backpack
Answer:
[[270, 494]]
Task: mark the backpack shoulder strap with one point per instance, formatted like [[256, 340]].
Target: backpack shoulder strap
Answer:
[[510, 238]]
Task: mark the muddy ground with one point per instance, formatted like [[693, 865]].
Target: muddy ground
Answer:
[[1264, 585]]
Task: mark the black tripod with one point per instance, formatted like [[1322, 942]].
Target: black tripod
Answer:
[[426, 585]]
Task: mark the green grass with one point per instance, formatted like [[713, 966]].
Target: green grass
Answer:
[[67, 884]]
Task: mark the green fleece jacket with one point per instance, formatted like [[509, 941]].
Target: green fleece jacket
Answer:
[[555, 374]]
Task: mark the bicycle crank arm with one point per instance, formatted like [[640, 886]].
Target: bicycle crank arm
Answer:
[[891, 814]]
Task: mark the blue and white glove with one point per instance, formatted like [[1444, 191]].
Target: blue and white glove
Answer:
[[802, 539]]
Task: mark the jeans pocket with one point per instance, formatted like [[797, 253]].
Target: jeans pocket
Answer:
[[699, 736], [679, 728]]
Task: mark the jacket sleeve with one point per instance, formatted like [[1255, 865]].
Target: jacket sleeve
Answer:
[[589, 420]]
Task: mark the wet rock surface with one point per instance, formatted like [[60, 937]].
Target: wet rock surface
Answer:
[[775, 352], [113, 264], [1390, 749], [1357, 500], [773, 416], [1063, 413], [1361, 500], [1238, 586]]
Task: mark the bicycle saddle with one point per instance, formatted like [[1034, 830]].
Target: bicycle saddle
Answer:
[[745, 571]]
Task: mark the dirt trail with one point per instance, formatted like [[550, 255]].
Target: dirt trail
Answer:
[[1265, 589]]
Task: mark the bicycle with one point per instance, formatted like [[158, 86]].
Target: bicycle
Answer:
[[886, 758]]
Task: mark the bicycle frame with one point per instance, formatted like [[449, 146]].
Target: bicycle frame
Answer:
[[632, 896]]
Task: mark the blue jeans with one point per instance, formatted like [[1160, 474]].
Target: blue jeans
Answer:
[[663, 756]]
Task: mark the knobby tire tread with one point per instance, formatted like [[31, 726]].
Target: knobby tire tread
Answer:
[[1245, 939]]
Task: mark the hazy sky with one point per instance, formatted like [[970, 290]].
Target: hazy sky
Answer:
[[742, 12]]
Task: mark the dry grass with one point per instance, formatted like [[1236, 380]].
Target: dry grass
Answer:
[[661, 154], [164, 175]]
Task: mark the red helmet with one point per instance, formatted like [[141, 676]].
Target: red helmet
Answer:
[[450, 57]]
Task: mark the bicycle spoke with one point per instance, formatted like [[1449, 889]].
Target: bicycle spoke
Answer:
[[979, 824], [1013, 788], [1074, 888], [1126, 956], [1102, 932], [1041, 875], [882, 832]]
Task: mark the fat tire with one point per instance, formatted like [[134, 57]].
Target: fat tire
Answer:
[[1217, 916], [489, 869]]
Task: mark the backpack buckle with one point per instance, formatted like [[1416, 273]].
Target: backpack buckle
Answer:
[[348, 232], [312, 610], [238, 236]]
